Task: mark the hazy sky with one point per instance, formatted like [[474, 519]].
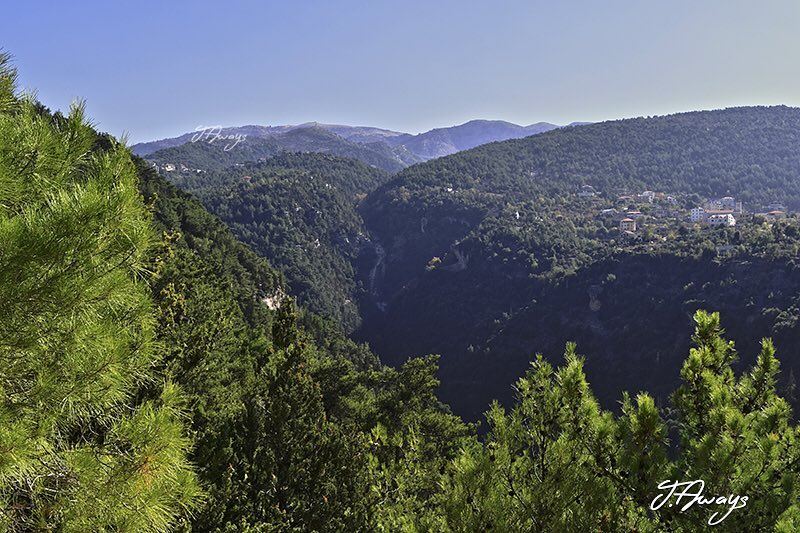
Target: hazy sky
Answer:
[[156, 69]]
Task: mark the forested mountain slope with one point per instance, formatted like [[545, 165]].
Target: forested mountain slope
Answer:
[[493, 254], [420, 471], [749, 151], [455, 256], [299, 210], [281, 402]]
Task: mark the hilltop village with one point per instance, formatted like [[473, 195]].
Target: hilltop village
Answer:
[[654, 212]]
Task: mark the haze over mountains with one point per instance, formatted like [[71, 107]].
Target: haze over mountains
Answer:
[[386, 149]]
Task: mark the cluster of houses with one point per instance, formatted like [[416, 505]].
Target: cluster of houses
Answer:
[[630, 220], [773, 212], [717, 212], [660, 206], [180, 167], [626, 216], [721, 212]]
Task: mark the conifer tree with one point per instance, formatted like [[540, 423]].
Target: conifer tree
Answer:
[[556, 462], [550, 464], [736, 434], [78, 451], [286, 466]]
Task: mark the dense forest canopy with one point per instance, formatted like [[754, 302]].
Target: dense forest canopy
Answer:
[[749, 152], [299, 211]]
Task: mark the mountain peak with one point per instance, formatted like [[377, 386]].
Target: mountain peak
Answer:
[[405, 147]]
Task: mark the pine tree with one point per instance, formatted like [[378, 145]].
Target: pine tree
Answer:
[[556, 462], [285, 465], [736, 435], [553, 462], [78, 452]]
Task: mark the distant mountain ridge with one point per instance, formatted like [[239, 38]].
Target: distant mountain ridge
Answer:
[[400, 149], [440, 142], [208, 154]]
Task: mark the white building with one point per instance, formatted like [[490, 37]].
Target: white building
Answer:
[[721, 220], [697, 214], [727, 203], [648, 196], [627, 224]]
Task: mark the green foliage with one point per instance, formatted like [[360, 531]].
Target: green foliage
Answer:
[[556, 462], [78, 450], [745, 151], [736, 435], [298, 210], [285, 409], [287, 466]]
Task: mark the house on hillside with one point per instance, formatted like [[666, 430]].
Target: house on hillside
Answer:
[[774, 215], [627, 224], [712, 212], [587, 191], [701, 214], [721, 219], [647, 196], [728, 203]]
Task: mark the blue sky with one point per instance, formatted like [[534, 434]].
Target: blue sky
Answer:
[[155, 69]]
